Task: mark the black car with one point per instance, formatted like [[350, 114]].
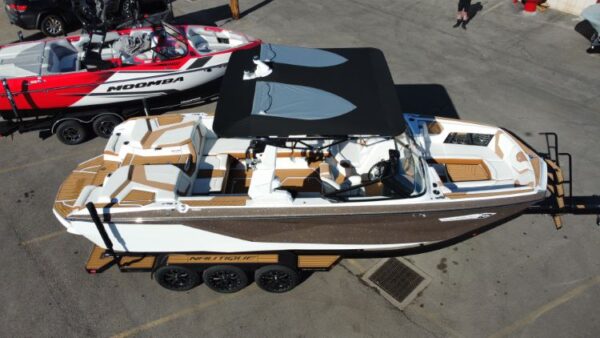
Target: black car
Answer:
[[49, 16], [53, 17]]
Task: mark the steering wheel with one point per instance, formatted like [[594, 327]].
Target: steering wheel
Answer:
[[378, 170]]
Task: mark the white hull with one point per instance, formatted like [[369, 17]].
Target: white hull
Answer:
[[139, 85], [180, 238]]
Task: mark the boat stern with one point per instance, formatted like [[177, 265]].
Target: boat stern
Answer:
[[78, 186]]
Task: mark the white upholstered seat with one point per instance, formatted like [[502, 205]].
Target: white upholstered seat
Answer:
[[264, 183], [329, 184]]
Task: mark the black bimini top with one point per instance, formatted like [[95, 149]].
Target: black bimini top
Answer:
[[312, 92]]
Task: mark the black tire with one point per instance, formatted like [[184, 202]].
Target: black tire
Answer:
[[71, 132], [225, 278], [103, 125], [176, 278], [276, 278], [53, 25]]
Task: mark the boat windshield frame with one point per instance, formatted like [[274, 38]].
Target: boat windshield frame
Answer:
[[175, 33], [342, 194], [403, 142]]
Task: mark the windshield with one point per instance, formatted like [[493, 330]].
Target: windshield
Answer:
[[410, 166], [373, 167], [169, 43]]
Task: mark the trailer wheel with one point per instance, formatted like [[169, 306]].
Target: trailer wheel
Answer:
[[71, 132], [176, 278], [103, 125], [225, 278], [276, 278]]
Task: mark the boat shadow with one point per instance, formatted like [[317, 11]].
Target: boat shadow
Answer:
[[215, 16], [426, 99]]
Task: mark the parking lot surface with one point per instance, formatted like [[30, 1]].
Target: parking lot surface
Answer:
[[528, 74]]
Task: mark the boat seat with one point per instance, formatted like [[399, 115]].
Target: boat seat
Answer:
[[93, 61], [264, 184], [61, 56], [198, 41], [136, 45], [130, 184], [330, 185], [212, 176]]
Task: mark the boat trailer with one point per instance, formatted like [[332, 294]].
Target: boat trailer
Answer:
[[168, 268], [273, 271]]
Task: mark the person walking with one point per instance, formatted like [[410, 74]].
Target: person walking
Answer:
[[462, 16]]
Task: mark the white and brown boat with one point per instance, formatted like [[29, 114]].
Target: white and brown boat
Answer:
[[304, 157]]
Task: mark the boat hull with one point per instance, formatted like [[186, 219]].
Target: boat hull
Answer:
[[111, 88], [363, 228]]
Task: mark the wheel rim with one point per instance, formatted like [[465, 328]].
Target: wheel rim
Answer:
[[276, 280], [177, 279], [106, 128], [71, 135], [224, 280], [53, 26]]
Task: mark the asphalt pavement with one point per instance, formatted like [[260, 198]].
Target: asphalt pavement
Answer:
[[529, 74]]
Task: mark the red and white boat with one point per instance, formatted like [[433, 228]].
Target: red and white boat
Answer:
[[99, 79]]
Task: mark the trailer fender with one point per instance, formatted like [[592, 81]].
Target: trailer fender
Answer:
[[56, 123], [119, 116], [81, 119]]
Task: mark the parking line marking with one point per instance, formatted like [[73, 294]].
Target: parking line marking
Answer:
[[32, 164], [43, 238], [355, 264], [534, 315], [435, 320], [500, 3], [185, 312]]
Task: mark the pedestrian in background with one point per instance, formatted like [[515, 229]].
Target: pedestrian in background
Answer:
[[462, 16]]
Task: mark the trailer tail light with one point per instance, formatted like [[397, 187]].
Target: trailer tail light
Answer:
[[17, 8]]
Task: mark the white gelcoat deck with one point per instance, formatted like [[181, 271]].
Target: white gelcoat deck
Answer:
[[361, 154]]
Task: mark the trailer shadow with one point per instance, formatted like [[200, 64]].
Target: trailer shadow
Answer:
[[426, 99], [215, 16]]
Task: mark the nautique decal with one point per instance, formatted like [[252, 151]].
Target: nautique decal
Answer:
[[145, 84]]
